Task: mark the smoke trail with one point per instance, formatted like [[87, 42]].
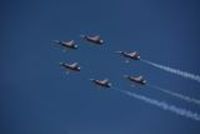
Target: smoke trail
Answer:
[[163, 105], [180, 96], [174, 71]]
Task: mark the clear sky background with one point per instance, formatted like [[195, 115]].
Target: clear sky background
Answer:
[[36, 97]]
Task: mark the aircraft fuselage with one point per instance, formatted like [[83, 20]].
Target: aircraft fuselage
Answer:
[[142, 82], [97, 82], [135, 57], [90, 39], [71, 68]]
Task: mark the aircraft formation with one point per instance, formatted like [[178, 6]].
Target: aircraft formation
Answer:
[[135, 80], [98, 40]]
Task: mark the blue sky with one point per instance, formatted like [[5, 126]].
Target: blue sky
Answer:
[[37, 97]]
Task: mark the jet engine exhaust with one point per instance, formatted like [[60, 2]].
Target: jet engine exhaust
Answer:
[[173, 71], [177, 95], [162, 105]]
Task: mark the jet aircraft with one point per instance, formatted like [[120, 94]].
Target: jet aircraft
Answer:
[[96, 39], [136, 79], [130, 55], [67, 44], [71, 67], [103, 83]]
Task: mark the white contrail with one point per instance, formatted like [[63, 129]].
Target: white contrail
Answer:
[[178, 95], [163, 105], [174, 71]]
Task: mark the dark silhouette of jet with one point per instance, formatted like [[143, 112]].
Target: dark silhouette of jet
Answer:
[[136, 79], [67, 44], [103, 83], [93, 39], [71, 67], [130, 55]]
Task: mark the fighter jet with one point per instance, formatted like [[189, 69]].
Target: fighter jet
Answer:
[[136, 79], [71, 67], [103, 83], [67, 44], [131, 55], [93, 39]]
